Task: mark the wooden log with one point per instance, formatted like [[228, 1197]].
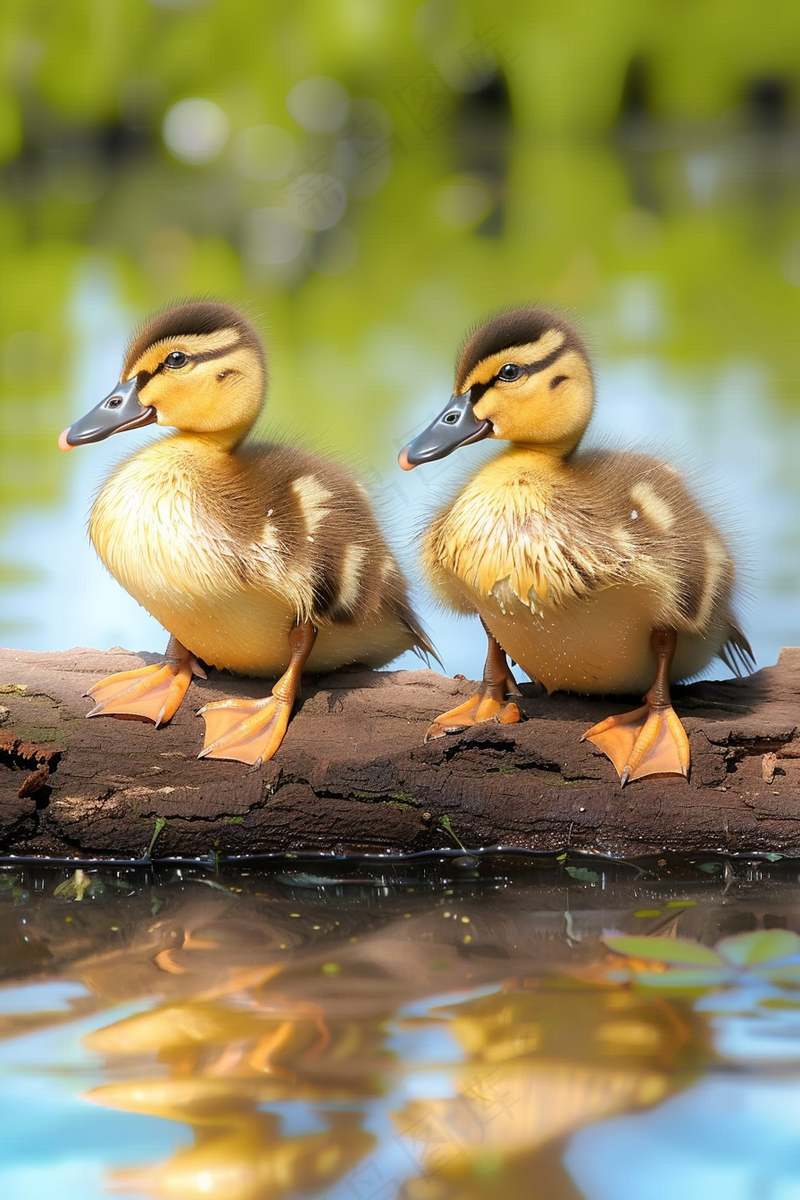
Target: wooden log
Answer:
[[353, 773]]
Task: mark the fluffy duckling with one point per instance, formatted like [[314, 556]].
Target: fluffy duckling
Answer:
[[259, 558], [595, 571]]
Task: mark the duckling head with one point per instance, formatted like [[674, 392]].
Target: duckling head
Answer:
[[197, 367], [524, 377]]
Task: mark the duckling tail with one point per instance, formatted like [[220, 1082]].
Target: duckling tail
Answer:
[[737, 653], [423, 647]]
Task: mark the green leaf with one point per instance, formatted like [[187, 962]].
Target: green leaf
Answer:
[[682, 979], [779, 972], [665, 950], [445, 821], [760, 946], [583, 873], [160, 823], [74, 888]]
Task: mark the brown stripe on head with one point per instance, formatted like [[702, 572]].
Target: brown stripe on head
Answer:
[[210, 328], [539, 331]]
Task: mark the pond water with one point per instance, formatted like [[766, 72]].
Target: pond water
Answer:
[[448, 1027]]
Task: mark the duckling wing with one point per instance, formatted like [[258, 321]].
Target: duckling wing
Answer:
[[320, 546]]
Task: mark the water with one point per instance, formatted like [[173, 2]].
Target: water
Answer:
[[440, 1027]]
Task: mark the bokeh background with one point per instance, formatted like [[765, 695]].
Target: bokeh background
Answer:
[[368, 179]]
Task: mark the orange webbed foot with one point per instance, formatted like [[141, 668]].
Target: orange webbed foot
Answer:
[[493, 701], [648, 741], [151, 693], [248, 731], [480, 707]]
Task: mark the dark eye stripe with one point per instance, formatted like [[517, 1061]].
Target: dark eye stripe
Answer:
[[208, 355], [543, 363], [525, 369], [144, 377]]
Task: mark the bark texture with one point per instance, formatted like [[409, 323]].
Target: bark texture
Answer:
[[353, 772]]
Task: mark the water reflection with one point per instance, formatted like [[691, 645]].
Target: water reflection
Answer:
[[297, 1034]]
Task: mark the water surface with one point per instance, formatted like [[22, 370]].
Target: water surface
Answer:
[[446, 1027]]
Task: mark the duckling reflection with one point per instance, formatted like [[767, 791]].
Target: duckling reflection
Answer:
[[220, 1059], [540, 1064], [221, 1038], [251, 1160]]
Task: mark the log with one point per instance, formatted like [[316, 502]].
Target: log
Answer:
[[354, 775]]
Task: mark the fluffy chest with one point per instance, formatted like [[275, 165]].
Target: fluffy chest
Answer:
[[153, 531], [145, 526], [512, 537]]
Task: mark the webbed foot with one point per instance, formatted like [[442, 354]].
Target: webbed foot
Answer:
[[493, 701], [152, 693], [250, 731], [648, 741], [247, 731], [483, 706]]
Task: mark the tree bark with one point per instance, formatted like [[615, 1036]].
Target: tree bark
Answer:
[[353, 773]]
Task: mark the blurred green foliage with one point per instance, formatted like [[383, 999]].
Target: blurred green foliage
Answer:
[[368, 179]]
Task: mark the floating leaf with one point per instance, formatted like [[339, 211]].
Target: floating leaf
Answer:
[[778, 972], [74, 888], [759, 947], [682, 979], [584, 874], [665, 950]]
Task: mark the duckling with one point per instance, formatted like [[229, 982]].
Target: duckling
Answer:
[[260, 558], [595, 571]]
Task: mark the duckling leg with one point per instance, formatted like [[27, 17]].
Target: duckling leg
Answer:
[[650, 740], [153, 692], [250, 731], [491, 701]]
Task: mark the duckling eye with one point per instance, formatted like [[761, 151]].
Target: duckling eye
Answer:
[[509, 372], [176, 358]]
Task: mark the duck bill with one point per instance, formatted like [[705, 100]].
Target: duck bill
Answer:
[[456, 425], [120, 410]]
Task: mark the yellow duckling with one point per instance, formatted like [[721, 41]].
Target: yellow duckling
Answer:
[[595, 571], [262, 559]]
